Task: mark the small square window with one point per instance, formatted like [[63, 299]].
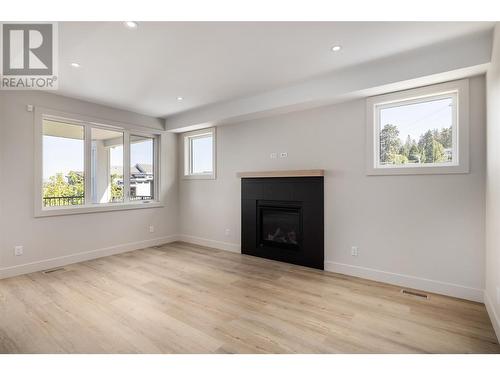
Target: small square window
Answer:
[[419, 131], [199, 154]]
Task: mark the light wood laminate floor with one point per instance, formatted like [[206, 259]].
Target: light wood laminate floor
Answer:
[[181, 298]]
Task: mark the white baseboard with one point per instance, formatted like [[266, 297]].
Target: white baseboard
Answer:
[[227, 246], [433, 286], [495, 320], [22, 269], [428, 285]]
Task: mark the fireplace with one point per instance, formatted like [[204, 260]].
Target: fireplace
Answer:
[[282, 219], [279, 225]]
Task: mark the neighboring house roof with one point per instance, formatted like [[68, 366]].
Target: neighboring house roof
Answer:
[[136, 169], [143, 168]]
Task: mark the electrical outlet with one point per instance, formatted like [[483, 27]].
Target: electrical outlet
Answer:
[[151, 229], [227, 232], [29, 108], [284, 155], [273, 155], [18, 251], [354, 251]]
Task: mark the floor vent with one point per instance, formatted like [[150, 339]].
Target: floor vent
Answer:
[[414, 294], [53, 270]]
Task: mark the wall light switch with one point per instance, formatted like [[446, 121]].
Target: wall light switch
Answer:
[[273, 155], [151, 229], [18, 251], [354, 251]]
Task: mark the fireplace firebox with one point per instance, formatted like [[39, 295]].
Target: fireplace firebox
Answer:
[[279, 224], [282, 219]]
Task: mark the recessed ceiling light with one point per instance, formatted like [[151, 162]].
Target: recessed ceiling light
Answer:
[[336, 48], [131, 24], [180, 98], [75, 65]]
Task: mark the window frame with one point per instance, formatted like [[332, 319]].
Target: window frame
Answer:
[[92, 186], [458, 91], [187, 154], [88, 123]]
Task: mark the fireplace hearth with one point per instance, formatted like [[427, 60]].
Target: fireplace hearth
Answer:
[[282, 219]]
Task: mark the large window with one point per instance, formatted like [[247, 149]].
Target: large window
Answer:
[[199, 154], [419, 131], [81, 165]]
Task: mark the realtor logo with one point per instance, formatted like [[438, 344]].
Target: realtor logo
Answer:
[[29, 56]]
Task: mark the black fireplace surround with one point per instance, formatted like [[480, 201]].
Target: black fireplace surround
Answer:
[[282, 219]]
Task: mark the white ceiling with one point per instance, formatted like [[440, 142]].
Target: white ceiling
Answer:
[[146, 69]]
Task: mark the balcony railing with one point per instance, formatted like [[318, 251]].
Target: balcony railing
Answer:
[[76, 200], [79, 200], [141, 198]]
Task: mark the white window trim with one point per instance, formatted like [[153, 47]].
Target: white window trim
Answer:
[[88, 123], [187, 154], [460, 91]]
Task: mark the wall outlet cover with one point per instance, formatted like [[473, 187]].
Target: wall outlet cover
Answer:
[[151, 229], [354, 251], [18, 251], [283, 154]]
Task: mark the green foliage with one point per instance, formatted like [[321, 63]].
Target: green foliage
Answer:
[[73, 185], [390, 143], [414, 154], [407, 147], [398, 159], [116, 190], [60, 186], [429, 149], [445, 138], [427, 144]]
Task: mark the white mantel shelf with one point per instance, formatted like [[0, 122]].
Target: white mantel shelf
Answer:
[[291, 173]]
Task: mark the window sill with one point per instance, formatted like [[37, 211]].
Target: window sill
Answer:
[[69, 210], [394, 171], [199, 177]]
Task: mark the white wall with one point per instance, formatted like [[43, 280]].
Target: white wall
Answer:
[[492, 293], [422, 231], [52, 241]]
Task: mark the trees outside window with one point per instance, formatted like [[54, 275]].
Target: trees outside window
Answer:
[[431, 147]]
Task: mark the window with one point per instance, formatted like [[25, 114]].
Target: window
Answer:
[[141, 167], [107, 166], [199, 154], [81, 165], [419, 131], [63, 164]]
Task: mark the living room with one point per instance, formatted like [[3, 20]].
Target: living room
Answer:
[[188, 187]]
